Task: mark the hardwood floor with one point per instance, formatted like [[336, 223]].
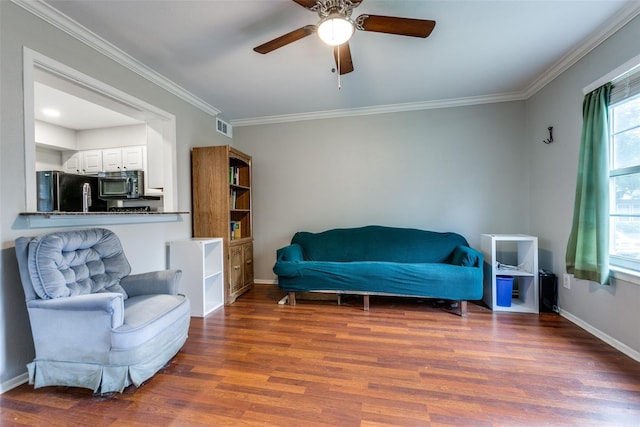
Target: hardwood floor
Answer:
[[405, 362]]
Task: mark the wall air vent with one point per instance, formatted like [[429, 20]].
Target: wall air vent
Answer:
[[223, 127]]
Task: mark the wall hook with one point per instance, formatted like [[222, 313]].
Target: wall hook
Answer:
[[550, 140]]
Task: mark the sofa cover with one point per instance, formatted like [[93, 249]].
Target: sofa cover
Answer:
[[94, 325], [379, 260]]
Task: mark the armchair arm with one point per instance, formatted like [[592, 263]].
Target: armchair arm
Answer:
[[108, 302], [154, 282], [293, 252], [77, 327], [467, 257]]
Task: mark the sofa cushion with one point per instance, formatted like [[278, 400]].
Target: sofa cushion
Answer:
[[466, 257], [436, 280], [145, 317], [378, 243], [80, 262]]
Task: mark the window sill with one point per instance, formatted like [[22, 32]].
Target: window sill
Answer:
[[630, 276]]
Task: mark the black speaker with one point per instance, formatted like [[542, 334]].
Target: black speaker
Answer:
[[548, 286]]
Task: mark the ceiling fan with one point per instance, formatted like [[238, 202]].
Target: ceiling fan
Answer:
[[336, 27]]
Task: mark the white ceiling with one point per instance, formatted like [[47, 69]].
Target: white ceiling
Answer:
[[76, 113], [480, 49]]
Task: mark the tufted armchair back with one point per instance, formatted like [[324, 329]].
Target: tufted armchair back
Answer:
[[62, 264]]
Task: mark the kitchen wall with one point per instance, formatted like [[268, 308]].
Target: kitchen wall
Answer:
[[55, 136], [459, 169], [144, 244], [113, 137], [48, 159], [611, 310]]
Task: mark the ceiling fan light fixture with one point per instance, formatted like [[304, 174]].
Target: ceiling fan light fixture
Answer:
[[335, 29]]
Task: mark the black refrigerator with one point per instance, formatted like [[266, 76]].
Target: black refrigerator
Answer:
[[62, 192]]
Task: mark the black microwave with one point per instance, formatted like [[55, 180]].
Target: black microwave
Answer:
[[121, 185]]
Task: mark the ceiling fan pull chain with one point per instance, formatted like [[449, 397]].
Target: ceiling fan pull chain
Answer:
[[339, 70]]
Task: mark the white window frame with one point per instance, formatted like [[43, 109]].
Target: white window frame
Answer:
[[618, 272], [617, 261]]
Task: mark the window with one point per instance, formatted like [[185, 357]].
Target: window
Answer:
[[624, 172]]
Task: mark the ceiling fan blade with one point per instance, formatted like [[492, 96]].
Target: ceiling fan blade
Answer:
[[345, 65], [284, 40], [394, 25], [306, 3]]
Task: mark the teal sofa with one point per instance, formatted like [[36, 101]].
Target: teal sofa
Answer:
[[378, 260]]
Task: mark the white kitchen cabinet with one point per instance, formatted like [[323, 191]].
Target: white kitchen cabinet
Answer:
[[133, 157], [72, 161], [516, 256], [105, 160], [89, 161], [112, 159], [122, 158], [201, 262], [155, 172]]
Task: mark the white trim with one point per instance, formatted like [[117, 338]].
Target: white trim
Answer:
[[28, 65], [621, 19], [612, 75], [616, 23], [74, 29], [626, 275], [14, 382], [32, 59], [635, 355], [381, 109]]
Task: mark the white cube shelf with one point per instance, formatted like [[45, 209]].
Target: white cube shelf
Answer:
[[201, 262], [516, 256]]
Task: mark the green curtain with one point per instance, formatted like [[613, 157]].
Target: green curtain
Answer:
[[588, 247]]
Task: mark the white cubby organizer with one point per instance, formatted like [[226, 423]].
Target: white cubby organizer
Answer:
[[202, 279], [514, 255]]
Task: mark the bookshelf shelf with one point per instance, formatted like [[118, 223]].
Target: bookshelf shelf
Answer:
[[202, 272], [515, 256]]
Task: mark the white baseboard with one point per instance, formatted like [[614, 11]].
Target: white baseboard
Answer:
[[14, 382], [635, 355], [265, 281]]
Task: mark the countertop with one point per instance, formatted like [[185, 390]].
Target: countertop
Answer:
[[57, 213], [74, 219]]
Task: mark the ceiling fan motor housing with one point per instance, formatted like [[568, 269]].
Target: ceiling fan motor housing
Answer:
[[343, 8]]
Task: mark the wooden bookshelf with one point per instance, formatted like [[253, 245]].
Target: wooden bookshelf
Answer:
[[222, 207]]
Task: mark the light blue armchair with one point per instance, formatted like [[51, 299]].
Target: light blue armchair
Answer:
[[94, 325]]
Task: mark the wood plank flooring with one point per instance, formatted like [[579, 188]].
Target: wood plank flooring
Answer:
[[405, 362]]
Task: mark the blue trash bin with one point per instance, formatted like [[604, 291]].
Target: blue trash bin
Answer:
[[504, 290]]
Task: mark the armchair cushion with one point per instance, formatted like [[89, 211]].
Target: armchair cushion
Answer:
[[79, 262]]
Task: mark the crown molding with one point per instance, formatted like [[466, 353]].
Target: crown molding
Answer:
[[71, 27], [74, 29], [381, 109], [616, 23], [620, 20]]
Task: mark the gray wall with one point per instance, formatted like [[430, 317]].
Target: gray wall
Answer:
[[474, 170], [144, 244], [459, 169], [612, 310], [478, 169]]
